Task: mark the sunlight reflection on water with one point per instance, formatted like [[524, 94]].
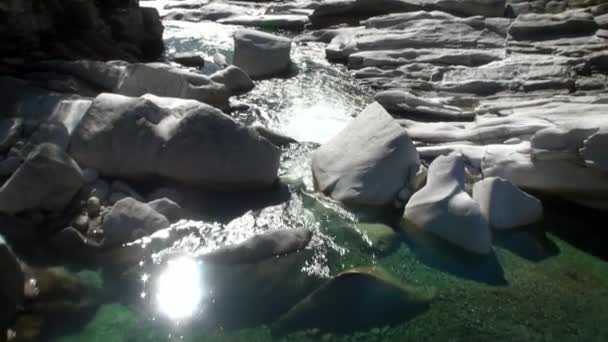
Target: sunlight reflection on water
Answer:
[[180, 288]]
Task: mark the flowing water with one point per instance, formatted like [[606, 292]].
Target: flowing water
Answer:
[[548, 282]]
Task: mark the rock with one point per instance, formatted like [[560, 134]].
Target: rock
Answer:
[[181, 140], [48, 180], [486, 8], [163, 80], [220, 60], [504, 205], [70, 241], [90, 175], [351, 11], [48, 132], [381, 238], [235, 79], [97, 29], [442, 207], [355, 300], [602, 21], [260, 247], [94, 206], [9, 165], [189, 59], [277, 139], [369, 162], [544, 26], [594, 150], [126, 217], [10, 131], [260, 54], [12, 282], [406, 104], [81, 223], [166, 207], [99, 189], [294, 22], [394, 19]]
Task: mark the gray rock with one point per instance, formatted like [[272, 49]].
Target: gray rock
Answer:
[[235, 79], [166, 207], [93, 206], [504, 205], [274, 137], [351, 11], [260, 54], [10, 131], [182, 140], [294, 22], [443, 208], [394, 19], [260, 247], [486, 8], [189, 59], [369, 162], [403, 103], [48, 132], [48, 180], [544, 26], [162, 80], [128, 216], [594, 150], [9, 165], [124, 188]]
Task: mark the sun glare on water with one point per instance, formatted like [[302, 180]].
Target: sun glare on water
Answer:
[[180, 288]]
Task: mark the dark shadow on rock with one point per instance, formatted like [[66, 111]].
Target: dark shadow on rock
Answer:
[[529, 242], [582, 227], [446, 257]]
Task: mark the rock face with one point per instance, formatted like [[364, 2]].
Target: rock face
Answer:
[[47, 180], [369, 162], [530, 26], [181, 140], [127, 219], [260, 54], [504, 205], [79, 29], [442, 207]]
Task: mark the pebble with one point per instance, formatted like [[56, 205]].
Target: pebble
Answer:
[[93, 206]]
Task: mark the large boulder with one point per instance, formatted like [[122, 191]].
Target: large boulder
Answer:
[[181, 140], [48, 180], [442, 207], [369, 162], [261, 54], [162, 80], [128, 219], [504, 205]]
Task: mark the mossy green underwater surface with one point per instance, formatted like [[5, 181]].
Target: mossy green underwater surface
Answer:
[[530, 290]]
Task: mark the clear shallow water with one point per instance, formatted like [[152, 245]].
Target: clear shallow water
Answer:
[[537, 286]]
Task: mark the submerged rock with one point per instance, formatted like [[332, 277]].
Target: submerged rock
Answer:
[[48, 179], [442, 207], [127, 218], [261, 54], [504, 205], [381, 238], [181, 140], [259, 247], [12, 282], [369, 162], [355, 300]]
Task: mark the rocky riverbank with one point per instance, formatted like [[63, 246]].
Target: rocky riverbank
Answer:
[[118, 156]]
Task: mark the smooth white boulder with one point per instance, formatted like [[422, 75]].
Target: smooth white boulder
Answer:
[[182, 140], [261, 54], [369, 162], [442, 207], [504, 205]]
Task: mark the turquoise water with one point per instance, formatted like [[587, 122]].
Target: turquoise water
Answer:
[[548, 282]]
